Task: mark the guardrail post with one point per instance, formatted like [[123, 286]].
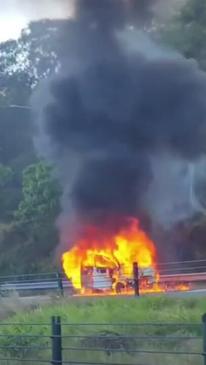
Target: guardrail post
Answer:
[[60, 284], [204, 337], [136, 279], [56, 341]]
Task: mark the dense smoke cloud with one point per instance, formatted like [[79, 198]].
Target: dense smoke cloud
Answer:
[[115, 12], [118, 116]]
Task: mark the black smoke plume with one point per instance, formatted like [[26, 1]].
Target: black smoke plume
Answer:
[[111, 111]]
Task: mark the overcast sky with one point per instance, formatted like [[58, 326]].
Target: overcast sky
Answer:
[[16, 14]]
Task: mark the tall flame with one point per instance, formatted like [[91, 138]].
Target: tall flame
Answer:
[[102, 249]]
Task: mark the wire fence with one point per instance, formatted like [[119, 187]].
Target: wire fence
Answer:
[[60, 343]]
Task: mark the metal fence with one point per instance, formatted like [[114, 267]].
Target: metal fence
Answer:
[[60, 343], [35, 283], [169, 273], [47, 282], [182, 267]]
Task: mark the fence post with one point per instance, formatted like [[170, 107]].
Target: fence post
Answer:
[[56, 341], [60, 284], [136, 278], [204, 337]]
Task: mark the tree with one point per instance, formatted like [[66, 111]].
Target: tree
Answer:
[[35, 55], [29, 242], [5, 175], [187, 31], [28, 208], [8, 197], [40, 194]]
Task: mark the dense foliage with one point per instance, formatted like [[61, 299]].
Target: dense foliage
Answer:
[[29, 193], [187, 30]]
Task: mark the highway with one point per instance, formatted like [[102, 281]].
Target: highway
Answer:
[[187, 294]]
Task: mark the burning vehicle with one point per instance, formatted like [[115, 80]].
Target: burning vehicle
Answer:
[[102, 262], [105, 279]]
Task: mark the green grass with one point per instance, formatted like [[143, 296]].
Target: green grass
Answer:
[[116, 309], [112, 310]]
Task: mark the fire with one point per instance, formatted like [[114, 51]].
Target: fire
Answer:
[[118, 252], [102, 262]]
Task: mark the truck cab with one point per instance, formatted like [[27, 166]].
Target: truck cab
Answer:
[[104, 279], [96, 279]]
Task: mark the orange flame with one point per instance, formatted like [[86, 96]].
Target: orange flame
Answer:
[[100, 249]]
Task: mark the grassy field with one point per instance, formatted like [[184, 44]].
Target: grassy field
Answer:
[[75, 311], [117, 309]]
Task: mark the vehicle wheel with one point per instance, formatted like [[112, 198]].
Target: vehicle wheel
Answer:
[[119, 287]]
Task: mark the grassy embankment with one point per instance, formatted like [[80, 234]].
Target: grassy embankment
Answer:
[[111, 310]]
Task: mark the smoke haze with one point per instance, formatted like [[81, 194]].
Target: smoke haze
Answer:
[[124, 124], [34, 10], [16, 14]]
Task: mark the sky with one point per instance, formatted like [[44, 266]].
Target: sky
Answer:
[[16, 14]]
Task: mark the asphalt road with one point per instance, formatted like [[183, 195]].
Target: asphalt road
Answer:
[[186, 294]]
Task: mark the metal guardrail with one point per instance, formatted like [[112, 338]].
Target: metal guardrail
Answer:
[[44, 285], [186, 271], [60, 343], [178, 267]]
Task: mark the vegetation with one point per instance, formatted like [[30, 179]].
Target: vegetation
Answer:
[[32, 236], [111, 310], [119, 310], [29, 193], [187, 31]]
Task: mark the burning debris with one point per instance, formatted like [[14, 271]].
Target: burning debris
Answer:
[[110, 114]]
